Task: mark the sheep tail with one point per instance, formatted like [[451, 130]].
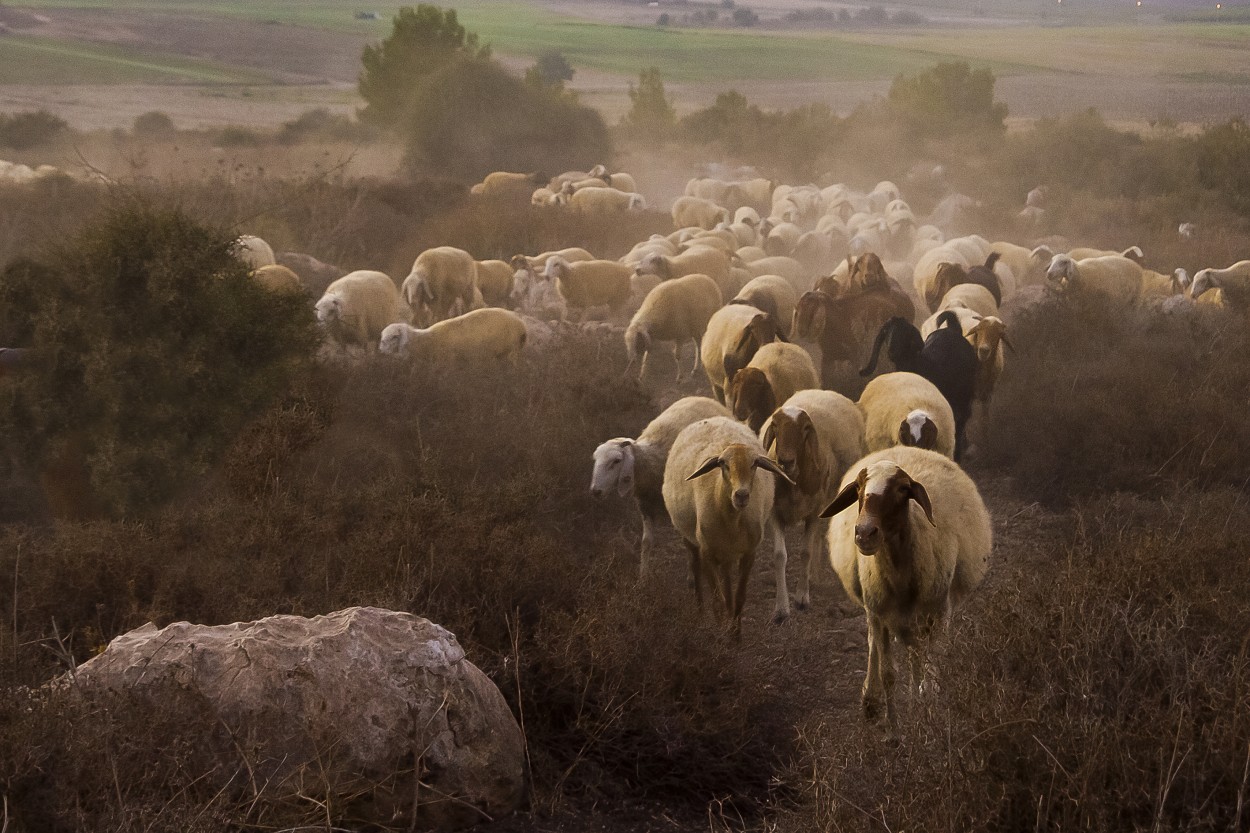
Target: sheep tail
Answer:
[[949, 319], [991, 260], [882, 335]]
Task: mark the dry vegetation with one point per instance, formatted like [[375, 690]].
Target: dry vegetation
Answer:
[[1099, 681]]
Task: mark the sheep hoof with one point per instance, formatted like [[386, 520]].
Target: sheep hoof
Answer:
[[872, 710], [802, 604], [780, 617]]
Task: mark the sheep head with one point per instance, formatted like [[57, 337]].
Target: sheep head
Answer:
[[796, 448], [869, 273], [883, 492], [918, 430], [637, 341], [948, 275], [614, 468], [329, 310], [737, 464], [988, 333], [751, 397], [557, 268], [655, 264], [1203, 281], [395, 339], [761, 330], [1062, 272], [809, 316]]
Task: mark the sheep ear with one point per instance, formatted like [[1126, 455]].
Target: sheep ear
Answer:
[[766, 463], [770, 435], [917, 493], [846, 498], [425, 290], [710, 464]]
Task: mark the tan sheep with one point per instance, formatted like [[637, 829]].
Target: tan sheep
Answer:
[[494, 280], [675, 311], [970, 295], [591, 283], [441, 279], [277, 278], [906, 409], [253, 251], [773, 294], [734, 333], [506, 182], [697, 261], [776, 372], [1233, 284], [357, 307], [1112, 277], [604, 200], [696, 211], [479, 335]]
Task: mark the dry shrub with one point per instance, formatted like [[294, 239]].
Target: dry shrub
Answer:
[[1097, 399], [1101, 687], [459, 494]]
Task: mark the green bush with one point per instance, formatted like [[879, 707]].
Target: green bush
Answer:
[[322, 124], [154, 125], [156, 349], [21, 131], [949, 98]]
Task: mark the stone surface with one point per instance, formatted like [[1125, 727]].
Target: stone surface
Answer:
[[345, 701]]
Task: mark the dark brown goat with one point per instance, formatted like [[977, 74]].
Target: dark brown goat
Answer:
[[845, 326]]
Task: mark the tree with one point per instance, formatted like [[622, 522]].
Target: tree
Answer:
[[551, 69], [745, 17], [421, 42], [949, 98], [650, 110]]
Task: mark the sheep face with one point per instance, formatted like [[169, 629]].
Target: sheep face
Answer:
[[1062, 272], [809, 317], [986, 336], [737, 465], [654, 264], [762, 330], [329, 310], [868, 272], [882, 492], [918, 430], [557, 267], [1202, 282], [395, 340], [751, 397], [792, 436], [614, 468], [637, 342]]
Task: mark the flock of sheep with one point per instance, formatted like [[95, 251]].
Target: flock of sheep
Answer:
[[758, 278]]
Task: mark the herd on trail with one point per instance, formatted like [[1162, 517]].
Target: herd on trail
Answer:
[[753, 272]]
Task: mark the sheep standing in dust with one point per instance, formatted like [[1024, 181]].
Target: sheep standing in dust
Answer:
[[277, 278], [357, 307], [591, 283], [1233, 283], [734, 333], [696, 211], [906, 409], [602, 200], [494, 280], [773, 294], [776, 372], [675, 311], [917, 547], [506, 182], [1112, 277], [441, 279], [814, 437], [625, 466], [535, 294], [720, 504], [478, 335], [253, 251], [699, 260]]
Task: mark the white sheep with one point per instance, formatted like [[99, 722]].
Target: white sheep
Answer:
[[494, 279], [969, 295], [357, 307], [441, 279], [253, 251], [787, 267], [572, 254], [697, 261], [814, 437], [720, 505], [591, 283], [963, 251], [906, 409], [477, 335], [1233, 283], [734, 333], [676, 311], [696, 211], [605, 200], [506, 182], [918, 546], [1156, 285], [773, 294], [1113, 277], [624, 466], [1028, 266]]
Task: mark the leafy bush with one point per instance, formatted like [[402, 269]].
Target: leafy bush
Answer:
[[322, 124], [795, 141], [235, 136], [949, 98], [651, 113], [21, 131], [156, 349], [154, 125]]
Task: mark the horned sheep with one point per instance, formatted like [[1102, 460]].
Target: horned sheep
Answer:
[[636, 466], [917, 547], [720, 505], [478, 335], [676, 311]]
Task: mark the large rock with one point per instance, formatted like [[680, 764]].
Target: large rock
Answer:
[[351, 698]]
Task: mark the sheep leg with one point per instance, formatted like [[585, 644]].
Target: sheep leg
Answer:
[[648, 545], [879, 681], [719, 393], [814, 532], [698, 359], [740, 597], [677, 358], [696, 570], [781, 607], [642, 367]]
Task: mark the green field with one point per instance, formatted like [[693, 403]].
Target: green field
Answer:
[[33, 60]]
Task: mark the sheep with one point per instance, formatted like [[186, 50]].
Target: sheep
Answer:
[[723, 241], [557, 182], [1187, 230], [544, 196], [1113, 277], [1028, 266], [573, 254], [1233, 283], [357, 307], [602, 200], [988, 337], [776, 372], [814, 437], [1133, 253], [696, 261], [774, 295], [494, 280], [719, 506], [591, 283], [903, 408], [1155, 285], [624, 465], [843, 326], [918, 546], [440, 279], [253, 251], [277, 278], [750, 254], [535, 293], [782, 237], [696, 211], [945, 358], [505, 182], [953, 274], [655, 244], [479, 335], [734, 333], [674, 311], [787, 267], [970, 295]]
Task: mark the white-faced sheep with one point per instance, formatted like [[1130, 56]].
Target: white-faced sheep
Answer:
[[696, 211], [591, 283], [535, 294], [675, 311], [494, 280], [697, 261], [1233, 283], [918, 545], [734, 333], [773, 294], [776, 372], [278, 278], [358, 306], [441, 279], [906, 409], [605, 200], [253, 251], [1112, 277], [720, 504], [478, 335], [624, 466], [814, 437]]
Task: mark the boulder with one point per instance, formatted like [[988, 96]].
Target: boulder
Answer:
[[348, 701]]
